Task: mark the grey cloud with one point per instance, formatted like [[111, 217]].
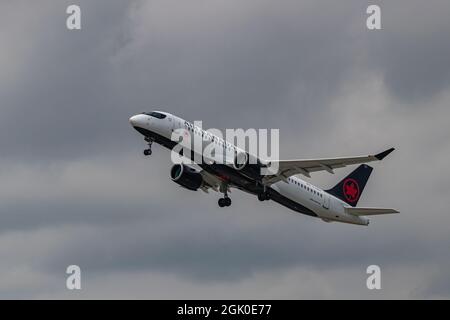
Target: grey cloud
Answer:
[[411, 50], [117, 66]]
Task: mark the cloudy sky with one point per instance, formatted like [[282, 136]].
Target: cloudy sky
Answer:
[[76, 189]]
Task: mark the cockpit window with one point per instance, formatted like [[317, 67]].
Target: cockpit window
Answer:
[[156, 114]]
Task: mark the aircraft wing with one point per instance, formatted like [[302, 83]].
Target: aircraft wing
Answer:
[[360, 211], [287, 168]]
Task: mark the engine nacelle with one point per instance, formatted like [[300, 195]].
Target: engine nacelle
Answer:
[[240, 161], [186, 177]]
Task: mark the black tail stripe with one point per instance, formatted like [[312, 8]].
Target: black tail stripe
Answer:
[[351, 187]]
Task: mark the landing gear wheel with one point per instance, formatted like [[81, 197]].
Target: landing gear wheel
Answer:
[[147, 152], [263, 196], [224, 202]]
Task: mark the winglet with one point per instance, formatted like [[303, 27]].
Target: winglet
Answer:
[[382, 155]]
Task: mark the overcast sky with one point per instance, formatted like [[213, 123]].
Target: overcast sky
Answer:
[[76, 189]]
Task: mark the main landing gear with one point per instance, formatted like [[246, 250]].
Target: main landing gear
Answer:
[[265, 195], [225, 201], [148, 152]]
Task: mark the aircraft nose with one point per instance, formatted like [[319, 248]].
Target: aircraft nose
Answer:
[[137, 120], [133, 120]]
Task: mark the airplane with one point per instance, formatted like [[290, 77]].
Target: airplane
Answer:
[[337, 204]]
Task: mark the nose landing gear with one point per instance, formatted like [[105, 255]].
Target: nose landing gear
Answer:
[[148, 152]]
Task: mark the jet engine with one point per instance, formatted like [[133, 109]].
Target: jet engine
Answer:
[[186, 177]]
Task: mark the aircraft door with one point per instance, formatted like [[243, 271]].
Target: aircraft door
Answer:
[[326, 200], [171, 123]]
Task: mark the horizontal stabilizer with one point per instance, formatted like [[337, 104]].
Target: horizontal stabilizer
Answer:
[[360, 211]]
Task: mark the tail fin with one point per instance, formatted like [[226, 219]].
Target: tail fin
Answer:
[[352, 186]]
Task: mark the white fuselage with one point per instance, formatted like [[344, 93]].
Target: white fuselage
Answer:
[[324, 205]]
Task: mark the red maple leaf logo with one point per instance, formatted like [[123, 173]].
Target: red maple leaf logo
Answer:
[[351, 190]]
